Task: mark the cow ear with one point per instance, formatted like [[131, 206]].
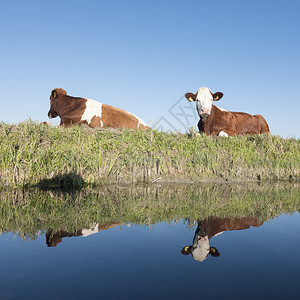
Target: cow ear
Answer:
[[54, 94], [186, 250], [217, 96], [190, 96], [214, 252]]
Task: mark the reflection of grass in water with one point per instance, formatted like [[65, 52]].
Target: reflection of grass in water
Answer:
[[28, 212], [31, 153]]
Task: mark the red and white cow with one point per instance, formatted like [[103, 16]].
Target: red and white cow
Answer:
[[212, 227], [217, 121], [54, 238], [75, 110]]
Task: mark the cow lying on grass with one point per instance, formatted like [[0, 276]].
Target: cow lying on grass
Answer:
[[75, 110], [217, 121]]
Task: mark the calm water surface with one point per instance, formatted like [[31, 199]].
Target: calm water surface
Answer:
[[217, 257]]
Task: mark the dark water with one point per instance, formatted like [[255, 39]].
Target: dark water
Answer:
[[211, 257]]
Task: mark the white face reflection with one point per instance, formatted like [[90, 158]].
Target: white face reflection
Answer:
[[200, 248], [204, 101]]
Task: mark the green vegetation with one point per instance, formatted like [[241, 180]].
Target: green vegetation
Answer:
[[35, 154], [28, 213]]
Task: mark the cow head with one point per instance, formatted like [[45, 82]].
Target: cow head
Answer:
[[204, 98], [200, 248], [53, 102], [200, 253]]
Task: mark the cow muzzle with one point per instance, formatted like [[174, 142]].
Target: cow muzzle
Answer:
[[204, 112], [51, 115]]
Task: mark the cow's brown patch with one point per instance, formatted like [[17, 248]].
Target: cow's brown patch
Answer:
[[141, 126], [117, 118], [95, 122], [215, 225], [233, 123]]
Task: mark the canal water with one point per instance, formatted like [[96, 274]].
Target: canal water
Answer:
[[202, 242]]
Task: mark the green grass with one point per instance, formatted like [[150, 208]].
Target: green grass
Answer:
[[34, 154], [28, 213]]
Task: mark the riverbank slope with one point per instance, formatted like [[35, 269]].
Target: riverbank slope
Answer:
[[37, 154]]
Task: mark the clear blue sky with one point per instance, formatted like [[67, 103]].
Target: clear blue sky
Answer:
[[143, 56]]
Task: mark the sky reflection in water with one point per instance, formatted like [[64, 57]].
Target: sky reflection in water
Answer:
[[202, 241], [134, 261]]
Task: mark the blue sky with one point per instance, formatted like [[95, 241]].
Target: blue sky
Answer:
[[143, 56]]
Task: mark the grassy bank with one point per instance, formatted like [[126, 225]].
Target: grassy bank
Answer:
[[27, 212], [35, 154]]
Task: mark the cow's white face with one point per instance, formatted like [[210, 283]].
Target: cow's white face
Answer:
[[204, 99], [200, 248]]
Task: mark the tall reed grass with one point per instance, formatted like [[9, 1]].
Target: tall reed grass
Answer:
[[32, 153]]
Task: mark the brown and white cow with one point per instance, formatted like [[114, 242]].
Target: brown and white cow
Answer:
[[76, 110], [211, 227], [54, 238], [217, 121]]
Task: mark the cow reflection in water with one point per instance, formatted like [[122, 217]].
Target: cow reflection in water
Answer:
[[54, 238], [212, 227]]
